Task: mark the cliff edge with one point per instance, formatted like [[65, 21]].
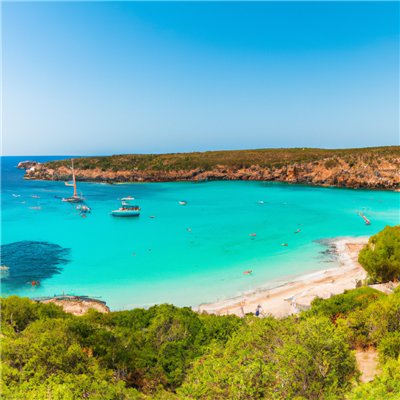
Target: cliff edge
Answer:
[[370, 168]]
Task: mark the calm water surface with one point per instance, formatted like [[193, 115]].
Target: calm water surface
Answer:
[[171, 263]]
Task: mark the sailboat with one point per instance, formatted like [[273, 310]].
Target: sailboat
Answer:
[[75, 198]]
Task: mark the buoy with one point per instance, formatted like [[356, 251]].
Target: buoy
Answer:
[[247, 272], [33, 283], [133, 254], [253, 234]]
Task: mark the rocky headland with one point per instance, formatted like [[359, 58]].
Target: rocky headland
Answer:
[[369, 171]]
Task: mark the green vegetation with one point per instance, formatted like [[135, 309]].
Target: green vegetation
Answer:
[[265, 158], [168, 353], [381, 256]]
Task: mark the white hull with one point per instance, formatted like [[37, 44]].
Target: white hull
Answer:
[[125, 213]]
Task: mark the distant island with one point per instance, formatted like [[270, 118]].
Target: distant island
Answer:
[[369, 168]]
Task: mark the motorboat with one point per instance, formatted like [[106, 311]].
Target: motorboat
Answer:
[[183, 203], [127, 211], [83, 209], [75, 198], [69, 184]]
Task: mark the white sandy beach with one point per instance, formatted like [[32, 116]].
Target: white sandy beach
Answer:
[[303, 289]]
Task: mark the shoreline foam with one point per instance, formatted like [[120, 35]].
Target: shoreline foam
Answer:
[[325, 282]]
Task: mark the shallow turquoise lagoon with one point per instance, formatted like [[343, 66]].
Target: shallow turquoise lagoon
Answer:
[[184, 267]]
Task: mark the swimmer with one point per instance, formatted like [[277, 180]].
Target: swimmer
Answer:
[[298, 230]]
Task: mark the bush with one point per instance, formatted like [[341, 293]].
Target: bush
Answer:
[[331, 164], [275, 359], [381, 256], [343, 304], [389, 346], [385, 386]]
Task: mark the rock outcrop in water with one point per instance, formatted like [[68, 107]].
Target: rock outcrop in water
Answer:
[[382, 173]]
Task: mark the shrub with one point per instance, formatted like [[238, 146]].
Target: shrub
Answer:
[[381, 256], [331, 164], [389, 346], [343, 304]]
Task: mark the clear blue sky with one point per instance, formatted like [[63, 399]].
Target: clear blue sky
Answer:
[[142, 77]]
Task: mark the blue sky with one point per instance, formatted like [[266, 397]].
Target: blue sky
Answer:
[[84, 78]]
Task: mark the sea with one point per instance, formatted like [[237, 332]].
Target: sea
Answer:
[[187, 254]]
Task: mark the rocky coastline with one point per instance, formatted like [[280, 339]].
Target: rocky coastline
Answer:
[[337, 173]]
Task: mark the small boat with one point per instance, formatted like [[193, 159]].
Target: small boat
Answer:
[[183, 203], [83, 209], [247, 272], [366, 220], [253, 234], [260, 202], [75, 198], [34, 208], [69, 184], [126, 211], [284, 244], [36, 197], [16, 195], [152, 216]]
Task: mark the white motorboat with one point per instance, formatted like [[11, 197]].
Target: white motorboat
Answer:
[[127, 211], [183, 203]]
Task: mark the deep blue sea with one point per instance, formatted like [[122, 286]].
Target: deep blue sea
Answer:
[[94, 255]]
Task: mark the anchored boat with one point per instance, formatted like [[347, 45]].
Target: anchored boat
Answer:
[[75, 198], [126, 211], [83, 209]]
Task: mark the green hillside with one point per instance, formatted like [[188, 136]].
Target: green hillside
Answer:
[[233, 159]]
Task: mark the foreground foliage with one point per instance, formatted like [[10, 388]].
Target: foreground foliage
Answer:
[[381, 256], [174, 353]]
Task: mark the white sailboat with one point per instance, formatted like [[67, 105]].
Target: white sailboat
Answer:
[[75, 198]]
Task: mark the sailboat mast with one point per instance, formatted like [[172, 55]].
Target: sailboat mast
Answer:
[[73, 176]]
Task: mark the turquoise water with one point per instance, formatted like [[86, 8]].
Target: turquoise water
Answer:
[[183, 267]]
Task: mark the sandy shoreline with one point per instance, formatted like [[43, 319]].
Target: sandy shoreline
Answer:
[[324, 283]]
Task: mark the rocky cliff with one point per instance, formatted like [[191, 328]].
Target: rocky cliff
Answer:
[[381, 173]]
